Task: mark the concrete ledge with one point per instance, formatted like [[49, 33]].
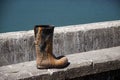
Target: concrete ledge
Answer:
[[81, 64], [18, 47]]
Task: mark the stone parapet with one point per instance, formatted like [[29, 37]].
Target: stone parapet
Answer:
[[18, 46]]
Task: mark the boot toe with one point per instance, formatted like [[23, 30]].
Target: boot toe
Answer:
[[63, 62]]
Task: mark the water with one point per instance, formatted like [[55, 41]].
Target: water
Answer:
[[17, 15]]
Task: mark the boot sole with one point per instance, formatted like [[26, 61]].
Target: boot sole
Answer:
[[51, 67], [42, 67]]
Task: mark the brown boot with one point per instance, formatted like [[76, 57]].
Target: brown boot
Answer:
[[43, 45]]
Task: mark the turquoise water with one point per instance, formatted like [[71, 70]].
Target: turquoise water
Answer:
[[17, 15]]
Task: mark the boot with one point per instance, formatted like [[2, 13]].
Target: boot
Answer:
[[43, 45]]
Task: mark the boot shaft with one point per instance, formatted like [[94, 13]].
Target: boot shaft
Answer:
[[44, 38]]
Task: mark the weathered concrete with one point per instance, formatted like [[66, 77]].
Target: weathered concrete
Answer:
[[18, 47], [108, 75], [81, 64]]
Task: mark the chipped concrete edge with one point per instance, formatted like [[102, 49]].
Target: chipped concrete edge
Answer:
[[89, 26]]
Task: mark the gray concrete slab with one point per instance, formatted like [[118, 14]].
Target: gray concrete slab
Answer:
[[81, 64]]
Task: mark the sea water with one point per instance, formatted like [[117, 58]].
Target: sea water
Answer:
[[18, 15]]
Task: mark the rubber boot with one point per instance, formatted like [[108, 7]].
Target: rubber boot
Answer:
[[43, 45]]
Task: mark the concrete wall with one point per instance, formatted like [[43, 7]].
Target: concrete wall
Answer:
[[18, 47]]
